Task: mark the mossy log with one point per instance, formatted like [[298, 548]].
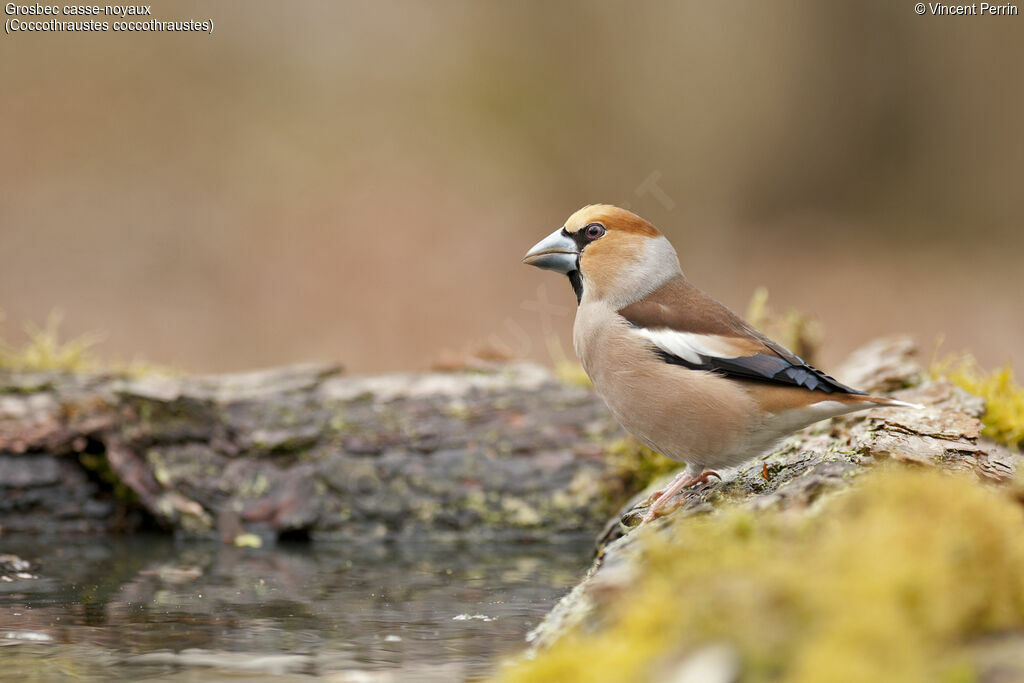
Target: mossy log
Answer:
[[306, 450], [303, 450]]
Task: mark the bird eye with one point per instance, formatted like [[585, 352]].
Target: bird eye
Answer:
[[593, 231]]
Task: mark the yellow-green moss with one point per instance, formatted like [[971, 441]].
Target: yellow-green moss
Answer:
[[794, 329], [98, 464], [1004, 399], [572, 372], [890, 581], [43, 351], [635, 465], [569, 371]]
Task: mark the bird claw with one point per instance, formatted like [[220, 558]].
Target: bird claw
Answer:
[[703, 477], [658, 502], [646, 502], [654, 513]]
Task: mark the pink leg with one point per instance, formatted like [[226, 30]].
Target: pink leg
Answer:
[[659, 500], [646, 502]]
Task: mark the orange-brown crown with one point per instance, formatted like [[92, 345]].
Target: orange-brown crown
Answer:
[[612, 218]]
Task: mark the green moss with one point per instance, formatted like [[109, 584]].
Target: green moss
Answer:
[[1004, 399], [794, 329], [890, 581], [573, 373], [98, 464], [635, 465], [478, 503], [253, 486], [569, 371], [44, 351]]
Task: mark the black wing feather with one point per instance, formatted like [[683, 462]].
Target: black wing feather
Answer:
[[764, 367]]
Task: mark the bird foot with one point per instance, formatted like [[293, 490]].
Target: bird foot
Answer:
[[659, 501], [656, 510]]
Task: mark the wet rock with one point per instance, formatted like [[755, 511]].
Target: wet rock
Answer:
[[258, 663], [13, 568], [24, 472]]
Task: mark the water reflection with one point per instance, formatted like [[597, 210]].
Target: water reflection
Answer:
[[434, 609]]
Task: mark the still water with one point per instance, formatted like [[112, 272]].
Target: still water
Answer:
[[147, 607]]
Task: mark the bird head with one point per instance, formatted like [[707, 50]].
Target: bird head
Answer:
[[608, 253]]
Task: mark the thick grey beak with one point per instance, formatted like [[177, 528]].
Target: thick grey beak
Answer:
[[556, 252]]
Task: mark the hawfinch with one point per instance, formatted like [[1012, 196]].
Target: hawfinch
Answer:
[[680, 371]]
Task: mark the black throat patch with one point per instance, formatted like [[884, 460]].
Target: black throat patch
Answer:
[[574, 275], [577, 284]]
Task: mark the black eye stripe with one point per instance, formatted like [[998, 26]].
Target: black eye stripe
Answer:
[[580, 236], [577, 237]]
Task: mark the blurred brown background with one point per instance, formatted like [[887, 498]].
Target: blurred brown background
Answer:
[[357, 181]]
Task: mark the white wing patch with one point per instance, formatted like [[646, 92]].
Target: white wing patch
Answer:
[[689, 346]]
